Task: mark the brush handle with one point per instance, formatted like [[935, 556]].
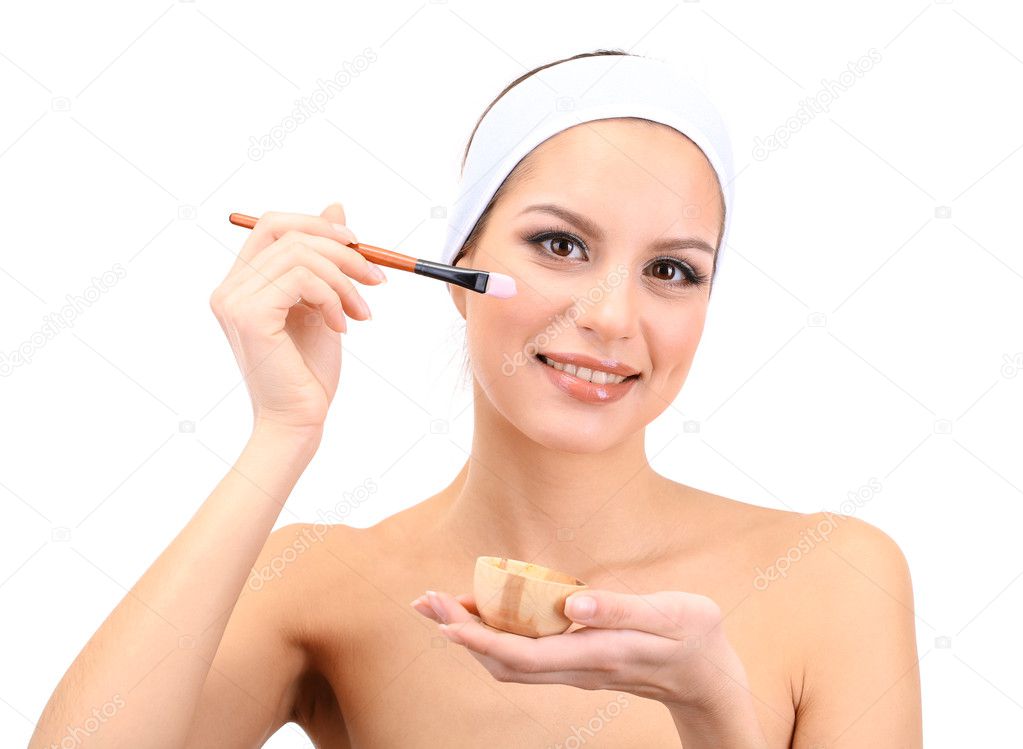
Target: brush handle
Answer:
[[377, 255]]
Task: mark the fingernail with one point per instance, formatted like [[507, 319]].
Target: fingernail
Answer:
[[345, 232], [581, 607], [379, 274], [436, 605], [365, 308]]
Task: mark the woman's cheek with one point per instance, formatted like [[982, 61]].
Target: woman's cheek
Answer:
[[498, 332], [673, 347]]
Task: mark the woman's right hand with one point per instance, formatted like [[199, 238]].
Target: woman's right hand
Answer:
[[289, 351]]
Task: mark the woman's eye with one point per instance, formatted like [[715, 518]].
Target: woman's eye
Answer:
[[668, 270], [676, 273], [559, 245]]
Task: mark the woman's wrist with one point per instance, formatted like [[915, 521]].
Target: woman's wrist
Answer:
[[723, 713], [299, 442], [729, 719], [274, 458]]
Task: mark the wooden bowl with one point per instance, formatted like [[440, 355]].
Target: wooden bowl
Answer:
[[522, 598]]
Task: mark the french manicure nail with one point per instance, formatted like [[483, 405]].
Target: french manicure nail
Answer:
[[436, 605]]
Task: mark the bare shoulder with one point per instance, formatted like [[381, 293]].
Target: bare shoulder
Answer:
[[842, 590], [818, 570], [851, 579], [327, 561], [312, 556], [861, 675], [839, 595], [266, 647], [836, 555], [795, 536], [754, 526]]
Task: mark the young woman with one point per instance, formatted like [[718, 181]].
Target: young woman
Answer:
[[708, 628]]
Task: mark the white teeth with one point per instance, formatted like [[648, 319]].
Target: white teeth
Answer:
[[596, 376]]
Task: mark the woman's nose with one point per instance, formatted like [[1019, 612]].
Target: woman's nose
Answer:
[[609, 308]]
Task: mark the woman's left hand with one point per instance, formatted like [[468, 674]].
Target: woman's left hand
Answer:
[[666, 646]]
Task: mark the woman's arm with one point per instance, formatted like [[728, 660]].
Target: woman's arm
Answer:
[[666, 645], [283, 306], [861, 684], [726, 719], [151, 656]]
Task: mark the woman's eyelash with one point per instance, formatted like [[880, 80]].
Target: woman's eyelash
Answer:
[[545, 234], [692, 276]]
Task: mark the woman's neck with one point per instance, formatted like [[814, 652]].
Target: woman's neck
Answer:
[[517, 498]]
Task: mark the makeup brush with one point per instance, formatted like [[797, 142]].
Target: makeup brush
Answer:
[[485, 282]]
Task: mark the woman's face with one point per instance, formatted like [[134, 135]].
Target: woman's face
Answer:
[[605, 289]]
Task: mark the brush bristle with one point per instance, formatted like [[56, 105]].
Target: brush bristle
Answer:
[[500, 286]]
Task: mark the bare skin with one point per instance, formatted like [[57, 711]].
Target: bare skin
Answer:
[[378, 673], [817, 610]]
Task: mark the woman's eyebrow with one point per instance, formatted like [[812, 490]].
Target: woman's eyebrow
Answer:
[[591, 228]]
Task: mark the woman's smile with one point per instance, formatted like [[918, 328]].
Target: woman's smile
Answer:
[[569, 382]]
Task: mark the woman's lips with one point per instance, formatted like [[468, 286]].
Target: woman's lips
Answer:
[[583, 360], [584, 390]]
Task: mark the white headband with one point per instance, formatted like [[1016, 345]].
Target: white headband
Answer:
[[573, 92]]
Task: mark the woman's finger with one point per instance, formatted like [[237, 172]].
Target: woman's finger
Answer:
[[302, 284], [668, 613], [300, 254], [589, 658], [348, 260], [468, 602], [517, 652], [424, 608], [600, 651], [273, 225]]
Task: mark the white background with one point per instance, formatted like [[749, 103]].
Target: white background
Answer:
[[867, 329]]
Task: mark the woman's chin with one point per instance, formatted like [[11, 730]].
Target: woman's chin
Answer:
[[570, 435]]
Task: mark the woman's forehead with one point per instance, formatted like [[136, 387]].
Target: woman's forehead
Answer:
[[638, 185], [620, 154]]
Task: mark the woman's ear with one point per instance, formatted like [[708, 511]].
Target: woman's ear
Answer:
[[458, 297]]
